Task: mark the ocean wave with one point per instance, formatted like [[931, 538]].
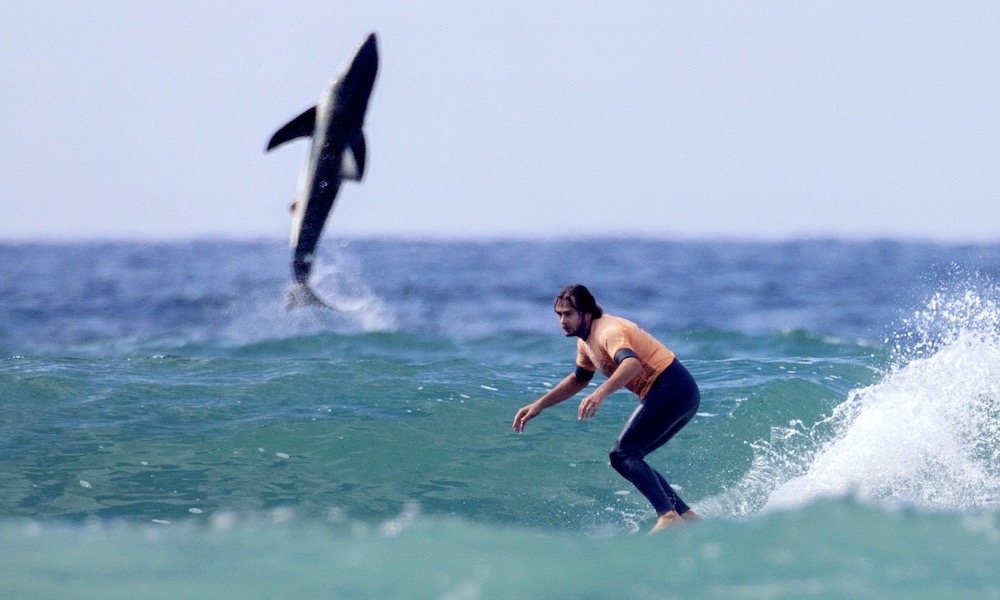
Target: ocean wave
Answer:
[[923, 434]]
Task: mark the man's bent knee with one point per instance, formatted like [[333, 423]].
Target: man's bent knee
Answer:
[[623, 458]]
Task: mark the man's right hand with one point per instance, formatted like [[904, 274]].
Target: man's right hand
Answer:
[[524, 415]]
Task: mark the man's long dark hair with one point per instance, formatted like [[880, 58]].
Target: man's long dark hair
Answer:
[[580, 298]]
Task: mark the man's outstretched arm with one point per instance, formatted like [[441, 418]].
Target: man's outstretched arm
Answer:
[[564, 390]]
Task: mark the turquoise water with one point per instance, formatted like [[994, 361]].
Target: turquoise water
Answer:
[[831, 549], [170, 430]]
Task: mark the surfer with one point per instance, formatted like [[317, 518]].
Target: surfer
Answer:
[[633, 359]]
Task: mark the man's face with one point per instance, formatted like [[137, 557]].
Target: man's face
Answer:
[[572, 321]]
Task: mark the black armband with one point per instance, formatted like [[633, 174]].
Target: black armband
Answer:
[[624, 353], [583, 375]]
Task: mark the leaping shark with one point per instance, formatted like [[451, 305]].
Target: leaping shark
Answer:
[[338, 152]]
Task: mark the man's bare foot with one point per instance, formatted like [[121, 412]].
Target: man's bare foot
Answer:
[[691, 517], [665, 520]]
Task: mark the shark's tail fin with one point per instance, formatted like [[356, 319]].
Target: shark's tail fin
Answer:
[[300, 294]]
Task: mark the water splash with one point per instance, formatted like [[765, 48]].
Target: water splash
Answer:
[[337, 281], [967, 307], [926, 435], [340, 283]]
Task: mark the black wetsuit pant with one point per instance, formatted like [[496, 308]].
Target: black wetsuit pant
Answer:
[[667, 407]]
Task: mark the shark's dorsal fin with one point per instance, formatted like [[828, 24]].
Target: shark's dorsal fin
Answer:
[[352, 163], [301, 126]]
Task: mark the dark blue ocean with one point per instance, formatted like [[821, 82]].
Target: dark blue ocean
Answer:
[[168, 429]]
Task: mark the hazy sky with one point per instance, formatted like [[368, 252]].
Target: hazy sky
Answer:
[[135, 119]]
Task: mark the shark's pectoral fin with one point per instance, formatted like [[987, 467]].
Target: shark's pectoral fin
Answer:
[[352, 162], [301, 126]]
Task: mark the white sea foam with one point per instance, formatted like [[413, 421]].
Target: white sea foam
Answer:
[[926, 435]]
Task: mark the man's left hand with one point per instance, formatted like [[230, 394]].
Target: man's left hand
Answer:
[[588, 406]]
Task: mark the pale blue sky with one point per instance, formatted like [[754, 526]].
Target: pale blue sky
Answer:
[[677, 119]]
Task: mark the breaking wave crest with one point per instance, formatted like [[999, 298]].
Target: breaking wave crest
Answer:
[[924, 435]]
